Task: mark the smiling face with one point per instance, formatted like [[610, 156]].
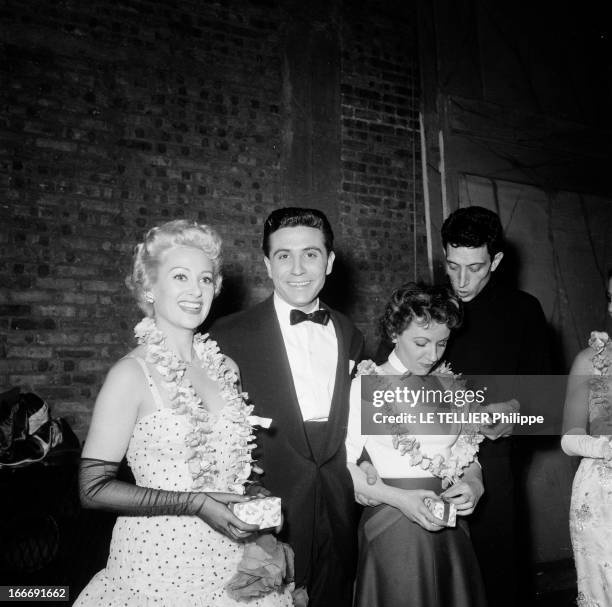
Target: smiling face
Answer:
[[469, 269], [421, 345], [184, 288], [298, 264]]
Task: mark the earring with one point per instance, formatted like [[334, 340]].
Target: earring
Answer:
[[149, 297]]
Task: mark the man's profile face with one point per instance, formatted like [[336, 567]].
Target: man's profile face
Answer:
[[298, 264], [469, 269]]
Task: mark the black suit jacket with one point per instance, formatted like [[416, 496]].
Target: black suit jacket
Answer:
[[309, 481]]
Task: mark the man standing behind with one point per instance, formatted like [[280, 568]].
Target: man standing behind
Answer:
[[504, 332], [295, 357]]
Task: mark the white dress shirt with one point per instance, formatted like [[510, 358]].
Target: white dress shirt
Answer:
[[312, 350]]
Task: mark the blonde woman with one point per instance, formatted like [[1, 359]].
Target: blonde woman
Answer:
[[173, 406]]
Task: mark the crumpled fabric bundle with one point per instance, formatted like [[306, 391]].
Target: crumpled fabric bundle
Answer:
[[266, 565]]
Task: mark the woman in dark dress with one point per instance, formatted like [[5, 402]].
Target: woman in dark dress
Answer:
[[407, 555]]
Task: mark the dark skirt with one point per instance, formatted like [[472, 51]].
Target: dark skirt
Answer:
[[403, 565]]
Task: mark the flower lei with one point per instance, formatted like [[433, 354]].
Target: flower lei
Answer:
[[602, 362], [463, 451], [184, 401]]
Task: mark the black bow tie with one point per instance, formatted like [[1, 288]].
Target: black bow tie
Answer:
[[321, 317]]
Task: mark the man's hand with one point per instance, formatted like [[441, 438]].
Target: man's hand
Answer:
[[465, 495], [372, 478], [499, 429], [365, 501], [371, 474], [256, 490]]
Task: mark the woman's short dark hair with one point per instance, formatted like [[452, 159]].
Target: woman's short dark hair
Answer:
[[422, 302], [293, 217], [473, 227]]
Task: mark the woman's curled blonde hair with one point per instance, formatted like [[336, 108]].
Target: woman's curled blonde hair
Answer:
[[148, 254]]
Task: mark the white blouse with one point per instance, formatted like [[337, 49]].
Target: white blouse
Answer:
[[387, 460]]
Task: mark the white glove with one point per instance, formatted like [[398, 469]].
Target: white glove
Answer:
[[586, 446]]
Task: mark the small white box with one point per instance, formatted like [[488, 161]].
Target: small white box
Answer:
[[443, 510], [262, 511]]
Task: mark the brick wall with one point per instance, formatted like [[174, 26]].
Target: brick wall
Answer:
[[116, 116], [381, 204]]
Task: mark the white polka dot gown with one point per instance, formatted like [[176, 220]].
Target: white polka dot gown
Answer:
[[171, 560]]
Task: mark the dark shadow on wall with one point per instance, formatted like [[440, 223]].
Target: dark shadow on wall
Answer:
[[508, 273], [339, 291], [232, 298]]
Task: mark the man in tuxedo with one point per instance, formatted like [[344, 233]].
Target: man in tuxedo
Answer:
[[295, 357], [504, 333]]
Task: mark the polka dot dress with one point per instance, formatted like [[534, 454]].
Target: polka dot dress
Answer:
[[170, 560]]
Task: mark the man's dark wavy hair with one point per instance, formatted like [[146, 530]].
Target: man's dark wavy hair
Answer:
[[473, 227], [292, 217], [420, 301]]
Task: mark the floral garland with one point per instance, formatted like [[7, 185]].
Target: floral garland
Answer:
[[184, 401], [599, 398], [463, 451], [598, 341]]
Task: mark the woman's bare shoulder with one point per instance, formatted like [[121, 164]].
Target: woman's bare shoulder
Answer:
[[583, 363], [128, 370]]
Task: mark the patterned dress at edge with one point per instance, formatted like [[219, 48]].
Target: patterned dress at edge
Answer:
[[591, 505], [181, 561]]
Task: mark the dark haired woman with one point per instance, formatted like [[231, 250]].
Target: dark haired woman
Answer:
[[407, 555]]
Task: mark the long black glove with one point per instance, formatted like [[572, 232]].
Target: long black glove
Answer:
[[100, 489]]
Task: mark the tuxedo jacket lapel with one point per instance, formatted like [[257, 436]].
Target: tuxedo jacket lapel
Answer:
[[287, 405], [335, 428]]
